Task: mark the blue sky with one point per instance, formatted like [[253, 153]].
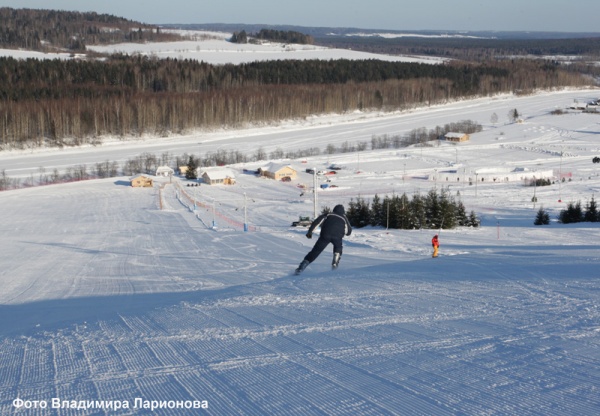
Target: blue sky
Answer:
[[509, 15]]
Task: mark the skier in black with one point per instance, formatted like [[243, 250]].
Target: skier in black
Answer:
[[334, 226]]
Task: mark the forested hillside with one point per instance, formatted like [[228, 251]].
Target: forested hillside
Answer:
[[466, 48], [44, 30], [59, 102]]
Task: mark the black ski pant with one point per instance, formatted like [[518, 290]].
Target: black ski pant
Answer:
[[320, 245]]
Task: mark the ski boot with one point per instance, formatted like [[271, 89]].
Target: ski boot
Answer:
[[336, 260], [302, 266]]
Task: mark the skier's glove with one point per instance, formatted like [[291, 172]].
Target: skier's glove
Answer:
[[308, 235]]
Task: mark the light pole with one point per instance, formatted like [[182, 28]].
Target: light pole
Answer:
[[387, 220], [560, 178], [315, 192], [534, 189], [200, 154], [214, 221]]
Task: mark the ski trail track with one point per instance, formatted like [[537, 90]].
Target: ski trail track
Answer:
[[394, 344]]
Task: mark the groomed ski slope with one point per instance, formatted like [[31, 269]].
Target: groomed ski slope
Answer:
[[116, 294]]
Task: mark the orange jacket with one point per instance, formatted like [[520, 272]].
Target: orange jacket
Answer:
[[434, 241]]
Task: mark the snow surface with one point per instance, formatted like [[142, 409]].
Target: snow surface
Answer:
[[112, 293], [216, 49]]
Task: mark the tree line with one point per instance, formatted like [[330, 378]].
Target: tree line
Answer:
[[70, 102], [574, 213], [286, 36], [422, 135], [431, 211], [283, 36], [126, 75], [472, 49]]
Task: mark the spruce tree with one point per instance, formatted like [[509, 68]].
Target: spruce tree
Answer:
[[542, 217], [473, 220], [378, 212], [433, 209], [447, 211], [402, 213], [351, 213], [358, 213], [591, 211], [572, 214], [418, 217], [364, 213], [190, 173], [461, 214]]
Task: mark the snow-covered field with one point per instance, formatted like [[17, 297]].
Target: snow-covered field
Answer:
[[214, 48], [120, 300]]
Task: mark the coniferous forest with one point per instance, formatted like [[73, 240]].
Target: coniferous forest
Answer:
[[431, 211], [52, 30], [70, 102]]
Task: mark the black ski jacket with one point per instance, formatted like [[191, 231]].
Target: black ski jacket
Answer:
[[333, 225]]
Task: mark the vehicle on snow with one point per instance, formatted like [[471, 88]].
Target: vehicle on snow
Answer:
[[302, 222]]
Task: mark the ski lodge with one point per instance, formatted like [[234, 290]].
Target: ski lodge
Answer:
[[141, 181], [278, 171], [164, 171], [456, 137], [218, 177]]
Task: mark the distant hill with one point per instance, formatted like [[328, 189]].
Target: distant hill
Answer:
[[359, 32], [51, 30], [464, 45]]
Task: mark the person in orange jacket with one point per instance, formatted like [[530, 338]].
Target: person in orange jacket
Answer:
[[435, 244]]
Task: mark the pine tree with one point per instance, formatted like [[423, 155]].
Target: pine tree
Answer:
[[447, 211], [591, 211], [358, 213], [461, 214], [352, 213], [542, 217], [418, 217], [433, 209], [190, 173], [572, 214], [378, 212], [402, 213], [364, 213], [473, 220]]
